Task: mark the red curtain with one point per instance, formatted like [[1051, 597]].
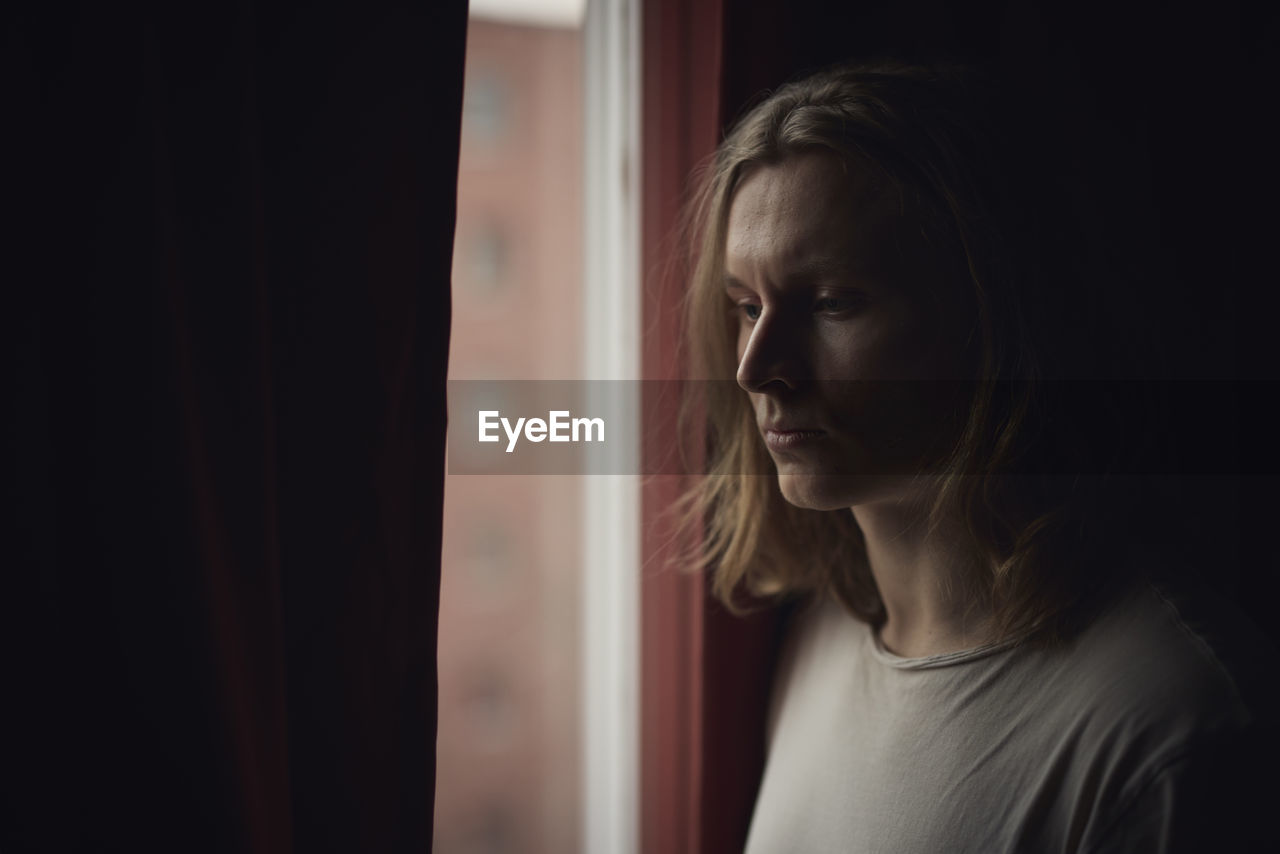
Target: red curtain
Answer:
[[232, 227], [705, 674]]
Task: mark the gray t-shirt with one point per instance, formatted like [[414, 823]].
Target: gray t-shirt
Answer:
[[1144, 734]]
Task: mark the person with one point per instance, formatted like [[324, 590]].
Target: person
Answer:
[[989, 648]]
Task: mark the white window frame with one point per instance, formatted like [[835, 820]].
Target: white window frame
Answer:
[[611, 507]]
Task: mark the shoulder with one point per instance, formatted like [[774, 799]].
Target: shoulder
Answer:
[[1174, 692], [1175, 652]]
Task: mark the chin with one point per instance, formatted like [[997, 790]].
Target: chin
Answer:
[[838, 491], [822, 491]]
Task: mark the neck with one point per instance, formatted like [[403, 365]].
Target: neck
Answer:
[[923, 579]]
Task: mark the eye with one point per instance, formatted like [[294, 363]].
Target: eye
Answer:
[[750, 311], [836, 304]]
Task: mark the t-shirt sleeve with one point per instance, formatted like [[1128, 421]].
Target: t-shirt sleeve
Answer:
[[1220, 795]]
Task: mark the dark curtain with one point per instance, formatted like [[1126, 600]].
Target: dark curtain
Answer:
[[227, 277]]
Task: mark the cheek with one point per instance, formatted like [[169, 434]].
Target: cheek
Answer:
[[905, 346], [866, 349], [900, 403], [891, 427]]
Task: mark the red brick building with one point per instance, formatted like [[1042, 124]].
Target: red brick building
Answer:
[[509, 758]]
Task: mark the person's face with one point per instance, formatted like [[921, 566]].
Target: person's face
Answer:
[[847, 322]]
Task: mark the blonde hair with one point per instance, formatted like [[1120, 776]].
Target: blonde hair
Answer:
[[933, 134]]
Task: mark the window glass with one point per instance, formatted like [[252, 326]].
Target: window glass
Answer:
[[509, 741]]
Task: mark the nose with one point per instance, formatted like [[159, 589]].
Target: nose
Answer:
[[770, 360]]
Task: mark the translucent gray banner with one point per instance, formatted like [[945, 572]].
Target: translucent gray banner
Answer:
[[1076, 427]]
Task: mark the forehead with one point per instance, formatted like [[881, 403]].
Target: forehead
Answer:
[[813, 207]]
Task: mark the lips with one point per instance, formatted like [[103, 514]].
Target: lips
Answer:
[[780, 438]]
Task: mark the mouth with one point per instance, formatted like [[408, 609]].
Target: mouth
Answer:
[[789, 440]]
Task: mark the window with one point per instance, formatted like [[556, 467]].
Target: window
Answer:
[[537, 726]]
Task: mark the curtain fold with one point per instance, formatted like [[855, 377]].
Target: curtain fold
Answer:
[[233, 229]]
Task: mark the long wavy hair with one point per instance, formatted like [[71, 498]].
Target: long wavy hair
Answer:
[[940, 135]]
